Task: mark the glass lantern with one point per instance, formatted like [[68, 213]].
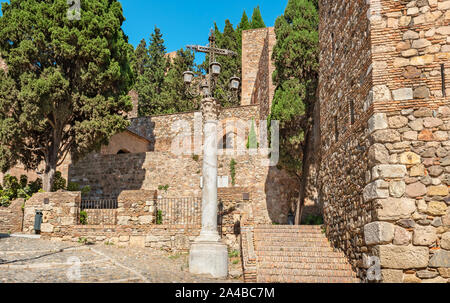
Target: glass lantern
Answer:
[[188, 77], [216, 68], [205, 88], [234, 83]]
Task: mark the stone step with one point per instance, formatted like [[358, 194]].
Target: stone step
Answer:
[[301, 254], [290, 239], [298, 235], [287, 228], [303, 279], [306, 272], [303, 259], [294, 248], [280, 244], [305, 265]]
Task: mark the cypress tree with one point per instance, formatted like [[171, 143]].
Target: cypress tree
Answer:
[[150, 83], [296, 56], [257, 20]]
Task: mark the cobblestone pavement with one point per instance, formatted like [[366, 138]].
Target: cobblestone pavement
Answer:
[[35, 260]]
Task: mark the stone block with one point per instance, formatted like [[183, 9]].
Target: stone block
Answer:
[[397, 188], [424, 235], [409, 158], [376, 190], [378, 121], [386, 136], [47, 228], [440, 258], [383, 171], [378, 233], [402, 94], [378, 154], [436, 208], [392, 275], [395, 208], [403, 257], [441, 190], [402, 236], [416, 190], [445, 241]]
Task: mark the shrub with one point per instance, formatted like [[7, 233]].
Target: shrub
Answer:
[[159, 217], [83, 217], [13, 188], [58, 182], [233, 171], [313, 220]]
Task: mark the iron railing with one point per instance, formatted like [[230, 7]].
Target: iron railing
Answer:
[[183, 211], [98, 212]]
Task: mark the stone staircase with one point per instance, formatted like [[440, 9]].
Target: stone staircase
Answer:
[[297, 254]]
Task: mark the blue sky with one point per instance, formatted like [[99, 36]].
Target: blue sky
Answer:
[[184, 22], [188, 22]]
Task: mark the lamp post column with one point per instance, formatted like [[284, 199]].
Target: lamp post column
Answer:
[[208, 255]]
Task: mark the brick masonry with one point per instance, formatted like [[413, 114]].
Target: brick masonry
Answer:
[[390, 198]]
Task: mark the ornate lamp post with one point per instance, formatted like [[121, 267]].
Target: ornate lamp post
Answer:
[[208, 255]]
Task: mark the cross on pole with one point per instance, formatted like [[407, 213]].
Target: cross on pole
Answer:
[[214, 67]]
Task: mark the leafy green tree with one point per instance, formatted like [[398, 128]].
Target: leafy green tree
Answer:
[[257, 20], [174, 96], [296, 56], [67, 83]]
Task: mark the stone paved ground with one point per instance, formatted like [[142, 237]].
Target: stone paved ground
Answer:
[[36, 260]]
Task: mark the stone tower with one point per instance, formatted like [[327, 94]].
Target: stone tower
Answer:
[[385, 125]]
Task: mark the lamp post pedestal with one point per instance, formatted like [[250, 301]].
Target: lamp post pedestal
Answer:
[[208, 254]]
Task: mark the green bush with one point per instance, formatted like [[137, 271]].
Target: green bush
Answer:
[[233, 171], [313, 220], [159, 217], [83, 217], [58, 182], [13, 188]]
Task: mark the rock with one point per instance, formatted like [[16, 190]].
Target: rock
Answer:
[[386, 136], [445, 241], [436, 208], [392, 275], [402, 94], [378, 154], [441, 190], [406, 223], [376, 190], [402, 236], [412, 72], [441, 258], [409, 158], [444, 272], [377, 121], [421, 92], [416, 190], [47, 228], [398, 122], [425, 274], [124, 238], [235, 274], [435, 280], [424, 235], [446, 218], [437, 222], [431, 122], [417, 170], [383, 171], [403, 257], [435, 171], [395, 209], [423, 112], [378, 233], [411, 278], [445, 161], [381, 93], [397, 188]]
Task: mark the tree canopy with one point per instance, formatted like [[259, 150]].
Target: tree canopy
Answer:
[[67, 82], [296, 56]]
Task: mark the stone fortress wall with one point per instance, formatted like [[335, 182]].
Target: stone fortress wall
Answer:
[[385, 115]]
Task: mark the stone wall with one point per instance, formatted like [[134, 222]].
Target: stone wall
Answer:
[[109, 175], [162, 130], [344, 84], [397, 150], [126, 142], [59, 210], [257, 67], [11, 217]]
